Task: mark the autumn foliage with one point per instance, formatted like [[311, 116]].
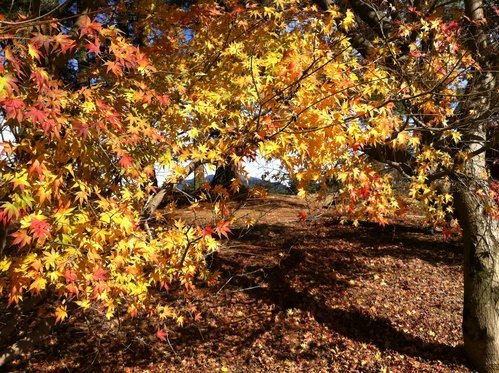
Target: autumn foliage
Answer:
[[88, 114]]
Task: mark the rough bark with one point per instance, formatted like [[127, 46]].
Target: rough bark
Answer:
[[481, 281], [480, 230], [224, 176]]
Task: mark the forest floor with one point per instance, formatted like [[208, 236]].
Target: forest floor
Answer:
[[294, 296]]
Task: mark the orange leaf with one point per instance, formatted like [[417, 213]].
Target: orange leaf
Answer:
[[223, 228], [126, 161], [21, 238]]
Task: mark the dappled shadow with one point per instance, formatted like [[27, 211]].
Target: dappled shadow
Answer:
[[259, 232], [351, 323], [317, 268], [399, 241], [264, 273]]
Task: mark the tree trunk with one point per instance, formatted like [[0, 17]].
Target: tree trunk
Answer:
[[198, 177], [481, 282], [224, 175], [480, 230]]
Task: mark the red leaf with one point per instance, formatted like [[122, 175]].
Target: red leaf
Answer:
[[40, 229], [13, 108], [100, 274], [164, 100], [87, 26], [364, 191], [207, 231], [94, 47], [36, 115], [302, 215], [161, 334], [450, 27], [70, 275]]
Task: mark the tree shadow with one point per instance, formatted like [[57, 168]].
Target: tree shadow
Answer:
[[267, 282], [351, 323], [258, 232], [399, 241]]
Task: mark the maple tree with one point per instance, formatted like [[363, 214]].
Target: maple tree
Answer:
[[362, 93]]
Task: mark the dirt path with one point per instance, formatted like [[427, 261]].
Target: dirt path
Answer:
[[296, 296]]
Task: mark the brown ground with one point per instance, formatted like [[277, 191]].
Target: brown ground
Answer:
[[295, 296]]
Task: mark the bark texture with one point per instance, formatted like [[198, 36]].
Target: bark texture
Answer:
[[481, 282], [480, 230]]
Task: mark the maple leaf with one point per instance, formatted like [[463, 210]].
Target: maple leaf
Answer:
[[60, 314], [40, 229], [365, 191], [223, 228], [65, 42], [132, 310], [20, 181], [164, 100], [21, 238], [348, 21], [70, 275], [7, 85], [38, 285], [94, 47], [87, 27], [448, 28], [161, 334], [33, 51], [72, 288], [14, 108], [51, 258], [302, 215], [114, 67], [126, 161], [100, 274], [207, 231], [36, 167], [85, 304], [81, 128]]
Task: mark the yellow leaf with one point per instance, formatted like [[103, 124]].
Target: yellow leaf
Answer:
[[60, 313], [348, 21], [5, 265], [85, 304], [38, 285]]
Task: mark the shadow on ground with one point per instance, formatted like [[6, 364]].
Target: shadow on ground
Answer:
[[290, 282]]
